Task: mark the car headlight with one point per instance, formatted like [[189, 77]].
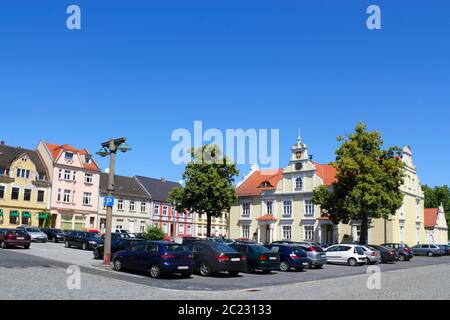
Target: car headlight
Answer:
[[92, 242]]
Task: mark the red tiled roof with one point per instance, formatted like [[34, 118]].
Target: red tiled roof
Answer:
[[431, 215], [252, 186], [267, 217], [326, 172], [56, 151]]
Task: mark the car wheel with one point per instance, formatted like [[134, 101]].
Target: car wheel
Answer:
[[430, 254], [155, 271], [401, 258], [84, 246], [284, 266], [319, 266], [352, 262], [205, 269], [66, 244], [4, 245], [310, 265], [27, 247], [96, 254], [233, 273], [55, 240], [117, 265]]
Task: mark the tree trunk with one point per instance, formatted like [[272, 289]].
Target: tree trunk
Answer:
[[364, 230], [208, 225]]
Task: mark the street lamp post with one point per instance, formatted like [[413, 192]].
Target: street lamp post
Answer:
[[110, 148]]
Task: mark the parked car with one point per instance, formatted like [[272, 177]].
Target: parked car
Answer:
[[258, 257], [445, 249], [157, 258], [404, 252], [55, 235], [373, 255], [189, 240], [430, 250], [35, 233], [292, 256], [387, 254], [324, 245], [316, 255], [221, 240], [350, 254], [117, 244], [14, 238], [83, 240], [211, 257]]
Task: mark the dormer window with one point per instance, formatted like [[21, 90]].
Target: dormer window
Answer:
[[87, 159], [265, 184], [68, 156]]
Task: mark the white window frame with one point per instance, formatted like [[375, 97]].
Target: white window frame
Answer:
[[246, 212], [120, 204], [308, 235], [88, 178], [143, 207], [286, 232], [308, 208], [87, 198], [165, 210], [67, 194], [132, 206], [245, 232], [296, 187], [287, 208]]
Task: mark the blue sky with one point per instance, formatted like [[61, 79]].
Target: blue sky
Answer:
[[141, 69]]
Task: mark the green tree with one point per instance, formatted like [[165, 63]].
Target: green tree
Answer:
[[208, 188], [154, 233], [368, 181], [436, 196]]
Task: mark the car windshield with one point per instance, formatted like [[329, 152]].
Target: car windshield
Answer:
[[92, 235], [57, 231], [222, 248], [175, 248], [258, 249], [33, 230]]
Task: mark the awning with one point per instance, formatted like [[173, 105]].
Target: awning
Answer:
[[26, 214], [14, 213], [43, 215]]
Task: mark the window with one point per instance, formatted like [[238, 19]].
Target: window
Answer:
[[357, 234], [286, 232], [68, 156], [26, 218], [156, 209], [87, 159], [22, 173], [2, 192], [164, 211], [246, 209], [269, 207], [40, 195], [13, 217], [88, 177], [15, 193], [2, 171], [143, 206], [181, 228], [120, 204], [245, 232], [287, 208], [67, 174], [418, 210], [66, 197], [132, 206], [87, 198], [299, 184], [58, 198], [41, 176], [27, 195], [189, 229], [309, 208], [308, 233]]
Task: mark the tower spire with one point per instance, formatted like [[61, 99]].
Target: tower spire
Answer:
[[299, 139]]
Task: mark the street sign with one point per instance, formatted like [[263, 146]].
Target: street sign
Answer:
[[109, 201]]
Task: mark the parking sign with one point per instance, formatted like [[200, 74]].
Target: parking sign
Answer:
[[109, 201]]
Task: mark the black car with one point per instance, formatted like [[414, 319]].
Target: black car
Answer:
[[189, 240], [83, 240], [55, 235], [258, 257], [387, 254], [404, 252], [117, 244], [211, 257], [292, 256]]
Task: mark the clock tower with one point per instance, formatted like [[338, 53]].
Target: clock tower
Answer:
[[299, 155]]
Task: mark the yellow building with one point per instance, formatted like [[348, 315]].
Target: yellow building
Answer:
[[277, 204], [436, 228], [218, 226], [24, 188]]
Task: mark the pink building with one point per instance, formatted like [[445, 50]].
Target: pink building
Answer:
[[75, 186]]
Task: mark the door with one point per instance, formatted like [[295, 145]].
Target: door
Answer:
[[134, 258], [345, 253], [131, 226], [333, 254]]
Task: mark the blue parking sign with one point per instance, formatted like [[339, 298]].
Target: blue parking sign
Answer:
[[109, 201]]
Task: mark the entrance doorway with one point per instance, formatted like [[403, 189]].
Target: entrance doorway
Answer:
[[264, 234]]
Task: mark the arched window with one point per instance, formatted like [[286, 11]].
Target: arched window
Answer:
[[298, 184]]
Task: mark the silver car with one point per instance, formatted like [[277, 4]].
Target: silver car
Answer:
[[316, 255], [430, 250], [373, 255], [35, 233]]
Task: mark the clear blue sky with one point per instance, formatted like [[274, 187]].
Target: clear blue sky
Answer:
[[141, 69]]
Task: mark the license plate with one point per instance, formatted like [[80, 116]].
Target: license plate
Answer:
[[235, 259], [183, 268], [272, 258], [20, 238]]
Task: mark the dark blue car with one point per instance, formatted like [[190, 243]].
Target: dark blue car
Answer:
[[291, 256], [157, 258]]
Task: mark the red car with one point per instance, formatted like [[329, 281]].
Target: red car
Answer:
[[14, 238]]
